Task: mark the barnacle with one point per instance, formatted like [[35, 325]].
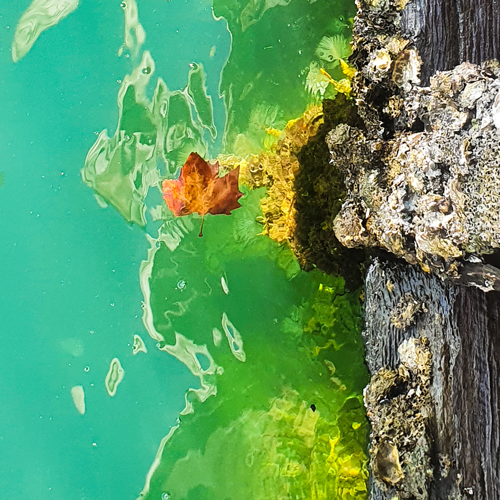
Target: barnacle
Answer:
[[406, 69], [439, 199], [379, 65], [400, 443]]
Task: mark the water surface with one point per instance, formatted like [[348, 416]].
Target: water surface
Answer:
[[74, 292]]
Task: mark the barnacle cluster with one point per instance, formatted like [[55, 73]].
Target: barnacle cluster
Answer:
[[398, 404], [431, 196], [406, 311], [421, 168]]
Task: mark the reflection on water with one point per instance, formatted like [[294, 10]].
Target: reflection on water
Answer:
[[250, 375]]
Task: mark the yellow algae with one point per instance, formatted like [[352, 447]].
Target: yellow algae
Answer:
[[139, 345], [134, 35], [330, 366], [38, 17], [78, 395], [332, 456], [338, 383], [274, 132], [343, 86], [348, 71], [276, 170], [114, 377], [212, 51]]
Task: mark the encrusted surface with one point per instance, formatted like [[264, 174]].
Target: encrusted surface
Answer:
[[422, 175], [462, 435], [421, 180], [398, 404]]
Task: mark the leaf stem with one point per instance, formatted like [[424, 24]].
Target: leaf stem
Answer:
[[201, 228]]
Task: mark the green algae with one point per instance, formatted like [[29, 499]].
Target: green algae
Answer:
[[202, 102], [257, 433], [279, 360], [273, 45], [250, 429]]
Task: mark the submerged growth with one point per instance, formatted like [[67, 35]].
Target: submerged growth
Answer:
[[277, 409]]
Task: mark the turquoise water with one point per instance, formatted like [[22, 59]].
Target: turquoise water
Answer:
[[71, 297], [70, 270]]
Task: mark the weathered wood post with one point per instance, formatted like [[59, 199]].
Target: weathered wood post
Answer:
[[423, 181]]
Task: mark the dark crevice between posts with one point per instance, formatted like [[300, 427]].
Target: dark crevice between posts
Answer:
[[320, 191]]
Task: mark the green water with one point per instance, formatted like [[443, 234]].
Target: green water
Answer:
[[251, 383]]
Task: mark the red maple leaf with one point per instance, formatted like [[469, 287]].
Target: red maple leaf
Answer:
[[200, 189]]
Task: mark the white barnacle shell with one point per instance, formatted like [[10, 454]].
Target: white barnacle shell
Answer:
[[380, 64], [471, 93], [495, 111], [407, 69]]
